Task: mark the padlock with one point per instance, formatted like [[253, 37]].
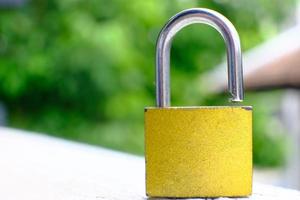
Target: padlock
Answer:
[[203, 151]]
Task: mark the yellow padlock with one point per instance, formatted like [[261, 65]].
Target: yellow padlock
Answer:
[[198, 151]]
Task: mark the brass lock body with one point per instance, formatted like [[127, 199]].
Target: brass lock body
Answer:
[[198, 151]]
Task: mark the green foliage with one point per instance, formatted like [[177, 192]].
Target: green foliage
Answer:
[[84, 70]]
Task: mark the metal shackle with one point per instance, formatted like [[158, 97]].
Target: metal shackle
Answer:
[[230, 36]]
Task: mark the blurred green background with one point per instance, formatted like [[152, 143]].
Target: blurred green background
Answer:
[[84, 70]]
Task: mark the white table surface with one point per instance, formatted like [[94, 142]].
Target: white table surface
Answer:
[[38, 167]]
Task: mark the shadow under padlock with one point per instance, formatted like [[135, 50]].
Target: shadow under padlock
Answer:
[[198, 151]]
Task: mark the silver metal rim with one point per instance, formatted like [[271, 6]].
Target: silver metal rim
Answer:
[[233, 47]]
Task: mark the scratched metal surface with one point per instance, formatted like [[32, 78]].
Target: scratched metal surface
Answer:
[[34, 167]]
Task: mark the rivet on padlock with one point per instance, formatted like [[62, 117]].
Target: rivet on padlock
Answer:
[[198, 151]]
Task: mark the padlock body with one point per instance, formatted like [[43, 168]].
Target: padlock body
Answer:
[[198, 151]]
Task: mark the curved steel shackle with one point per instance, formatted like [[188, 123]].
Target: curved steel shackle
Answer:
[[232, 41]]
